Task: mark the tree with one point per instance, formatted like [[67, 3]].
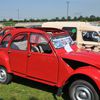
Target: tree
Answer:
[[81, 18], [44, 20], [75, 18], [57, 19], [63, 19], [25, 20], [92, 18], [69, 18], [86, 18], [98, 18], [4, 20], [10, 19], [31, 20]]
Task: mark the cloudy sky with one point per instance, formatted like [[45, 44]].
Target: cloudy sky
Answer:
[[47, 8]]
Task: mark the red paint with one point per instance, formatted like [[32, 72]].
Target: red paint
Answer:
[[48, 68]]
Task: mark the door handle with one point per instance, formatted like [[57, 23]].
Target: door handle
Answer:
[[29, 55], [9, 51]]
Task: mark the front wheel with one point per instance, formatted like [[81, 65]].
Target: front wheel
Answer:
[[5, 78], [82, 90]]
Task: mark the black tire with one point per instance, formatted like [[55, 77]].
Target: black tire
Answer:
[[82, 90], [5, 77]]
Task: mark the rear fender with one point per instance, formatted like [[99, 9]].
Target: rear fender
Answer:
[[4, 61]]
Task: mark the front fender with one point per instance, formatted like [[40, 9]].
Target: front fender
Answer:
[[89, 71], [4, 61]]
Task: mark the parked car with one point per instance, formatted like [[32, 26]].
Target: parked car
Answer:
[[4, 31], [84, 34], [51, 57]]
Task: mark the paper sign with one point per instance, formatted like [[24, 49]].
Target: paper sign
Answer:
[[68, 48]]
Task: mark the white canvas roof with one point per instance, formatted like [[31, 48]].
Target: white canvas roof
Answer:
[[78, 25], [1, 25]]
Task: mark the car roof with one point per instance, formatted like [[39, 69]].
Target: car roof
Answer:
[[47, 29], [19, 30], [37, 30], [15, 31], [53, 31], [48, 32], [7, 28]]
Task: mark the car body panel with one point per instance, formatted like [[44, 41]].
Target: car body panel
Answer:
[[44, 66], [4, 60], [18, 61], [88, 57], [89, 71]]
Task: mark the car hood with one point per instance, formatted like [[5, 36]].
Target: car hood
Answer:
[[87, 57]]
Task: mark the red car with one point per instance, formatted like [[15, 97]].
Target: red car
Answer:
[[49, 56], [4, 30]]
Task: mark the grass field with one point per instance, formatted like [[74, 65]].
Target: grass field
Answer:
[[22, 89]]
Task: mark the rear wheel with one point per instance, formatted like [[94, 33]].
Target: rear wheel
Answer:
[[82, 90], [5, 78]]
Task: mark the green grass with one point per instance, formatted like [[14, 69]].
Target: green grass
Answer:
[[9, 23], [22, 89]]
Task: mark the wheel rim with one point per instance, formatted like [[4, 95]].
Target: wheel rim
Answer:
[[82, 92], [3, 75]]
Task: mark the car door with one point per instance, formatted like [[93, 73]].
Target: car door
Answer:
[[18, 53], [42, 61]]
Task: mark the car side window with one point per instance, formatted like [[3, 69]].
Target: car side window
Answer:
[[72, 32], [91, 36], [5, 41], [19, 42], [38, 43]]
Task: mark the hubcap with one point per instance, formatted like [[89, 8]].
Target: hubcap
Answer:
[[81, 92], [2, 75]]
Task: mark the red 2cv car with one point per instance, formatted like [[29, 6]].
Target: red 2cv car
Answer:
[[50, 56]]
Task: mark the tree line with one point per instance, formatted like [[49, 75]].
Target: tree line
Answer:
[[80, 18]]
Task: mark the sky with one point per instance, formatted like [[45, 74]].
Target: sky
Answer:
[[21, 9]]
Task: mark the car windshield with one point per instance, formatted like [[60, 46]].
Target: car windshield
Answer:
[[61, 41]]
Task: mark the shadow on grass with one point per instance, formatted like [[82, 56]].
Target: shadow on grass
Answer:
[[35, 85], [31, 98], [1, 99]]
